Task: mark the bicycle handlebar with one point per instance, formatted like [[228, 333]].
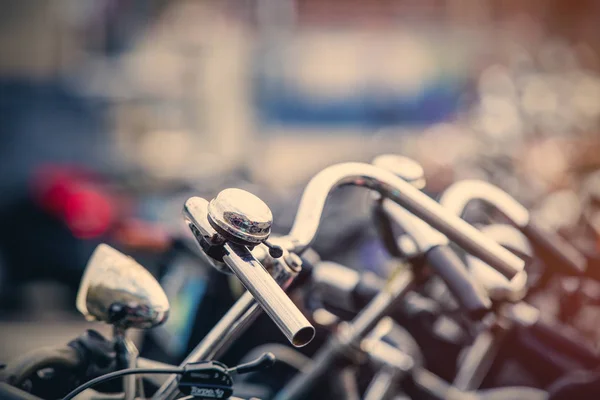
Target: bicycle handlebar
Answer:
[[557, 253], [308, 217]]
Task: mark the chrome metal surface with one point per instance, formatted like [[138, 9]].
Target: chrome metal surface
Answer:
[[245, 207], [478, 360], [384, 353], [521, 313], [195, 210], [230, 327], [269, 295], [456, 197], [117, 290], [422, 234], [498, 287], [433, 385], [407, 246], [132, 385], [348, 335], [195, 213], [227, 330], [383, 384], [284, 267], [480, 356], [511, 239], [325, 319], [403, 167], [242, 215], [381, 330], [315, 195]]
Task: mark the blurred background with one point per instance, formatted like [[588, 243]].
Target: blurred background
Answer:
[[113, 112]]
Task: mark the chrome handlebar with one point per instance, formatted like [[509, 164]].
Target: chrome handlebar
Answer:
[[237, 256], [269, 295], [313, 200], [423, 235], [456, 197], [557, 253]]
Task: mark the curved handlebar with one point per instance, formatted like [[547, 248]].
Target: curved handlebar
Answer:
[[456, 197], [556, 252], [390, 186], [423, 235]]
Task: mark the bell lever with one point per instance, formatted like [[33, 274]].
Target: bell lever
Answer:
[[267, 360], [274, 250]]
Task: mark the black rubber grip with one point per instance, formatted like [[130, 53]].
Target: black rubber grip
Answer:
[[450, 268], [558, 255]]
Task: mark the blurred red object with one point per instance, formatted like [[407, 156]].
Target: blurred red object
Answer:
[[88, 213], [84, 202], [77, 197]]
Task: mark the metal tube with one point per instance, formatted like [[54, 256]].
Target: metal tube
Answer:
[[456, 197], [424, 236], [557, 253], [252, 274], [377, 308], [350, 334], [269, 295], [434, 386], [478, 360], [382, 385], [127, 355], [389, 185], [229, 328], [157, 380]]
